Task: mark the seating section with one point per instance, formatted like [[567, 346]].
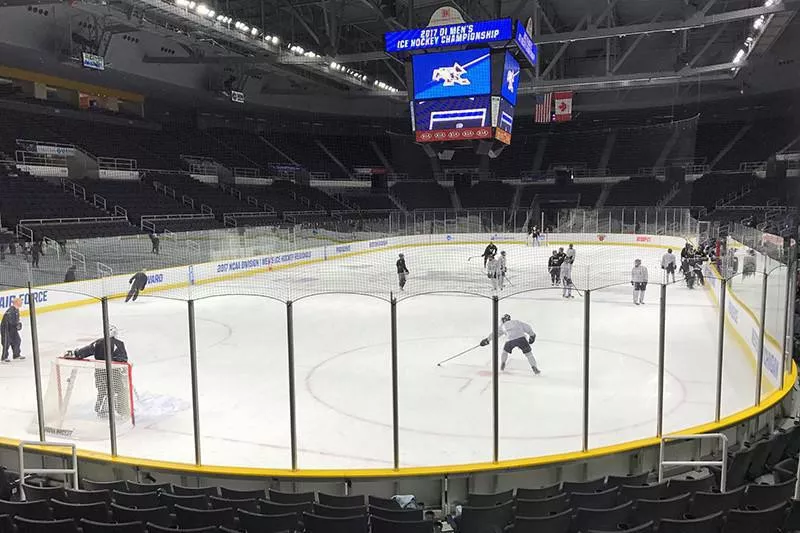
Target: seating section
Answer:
[[637, 192], [487, 194], [422, 195]]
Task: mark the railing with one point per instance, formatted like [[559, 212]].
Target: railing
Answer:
[[104, 270], [77, 258], [39, 445], [206, 210], [187, 200], [35, 159], [99, 201], [120, 211], [327, 176], [78, 191], [117, 163], [74, 220], [722, 463]]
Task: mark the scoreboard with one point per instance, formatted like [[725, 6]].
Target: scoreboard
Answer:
[[463, 79]]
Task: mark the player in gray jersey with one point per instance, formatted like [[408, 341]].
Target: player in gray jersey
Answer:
[[515, 332], [493, 272], [566, 278]]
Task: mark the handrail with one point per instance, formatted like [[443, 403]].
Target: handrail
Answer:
[[723, 463], [62, 471]]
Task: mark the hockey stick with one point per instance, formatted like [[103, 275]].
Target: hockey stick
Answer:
[[440, 363], [470, 258]]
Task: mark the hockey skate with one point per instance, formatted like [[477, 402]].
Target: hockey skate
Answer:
[[536, 370]]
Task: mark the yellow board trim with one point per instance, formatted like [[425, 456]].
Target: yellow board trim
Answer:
[[375, 473]]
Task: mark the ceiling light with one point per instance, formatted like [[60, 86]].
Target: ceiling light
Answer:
[[739, 56], [275, 40], [182, 2], [192, 5], [254, 31], [759, 23]]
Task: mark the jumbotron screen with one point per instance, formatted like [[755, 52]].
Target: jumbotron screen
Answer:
[[452, 118], [452, 74]]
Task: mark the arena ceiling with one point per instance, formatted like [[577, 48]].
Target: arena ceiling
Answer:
[[587, 45]]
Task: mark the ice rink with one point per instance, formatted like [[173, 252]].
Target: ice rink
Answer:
[[343, 365]]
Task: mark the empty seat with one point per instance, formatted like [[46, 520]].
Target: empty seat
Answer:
[[156, 515], [632, 479], [325, 524], [199, 501], [89, 484], [705, 524], [758, 496], [272, 508], [612, 519], [155, 528], [385, 503], [132, 486], [87, 496], [593, 485], [396, 515], [327, 510], [224, 503], [235, 494], [137, 500], [488, 500], [540, 493], [645, 527], [30, 525], [594, 500], [179, 490], [291, 497], [480, 519], [706, 503], [656, 510], [35, 510], [263, 523], [544, 507], [382, 525], [762, 521], [188, 518], [118, 527], [96, 512], [33, 493], [690, 484], [558, 523], [655, 491], [340, 501]]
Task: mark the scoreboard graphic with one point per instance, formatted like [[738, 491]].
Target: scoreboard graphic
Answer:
[[452, 74], [452, 118], [510, 81]]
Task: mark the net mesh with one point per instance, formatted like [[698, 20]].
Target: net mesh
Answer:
[[76, 402]]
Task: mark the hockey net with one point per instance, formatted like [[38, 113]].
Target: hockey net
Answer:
[[76, 399]]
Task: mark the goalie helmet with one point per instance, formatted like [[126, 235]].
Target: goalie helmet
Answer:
[[112, 332], [506, 318]]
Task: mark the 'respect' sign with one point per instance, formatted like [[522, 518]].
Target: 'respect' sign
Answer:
[[481, 32]]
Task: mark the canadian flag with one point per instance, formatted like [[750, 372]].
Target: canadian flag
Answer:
[[563, 106]]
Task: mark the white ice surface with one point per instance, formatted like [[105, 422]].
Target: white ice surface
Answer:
[[343, 365]]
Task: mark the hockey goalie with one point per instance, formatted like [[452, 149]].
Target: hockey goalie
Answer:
[[76, 408]]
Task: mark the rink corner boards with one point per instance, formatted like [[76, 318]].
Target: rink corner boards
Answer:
[[408, 472]]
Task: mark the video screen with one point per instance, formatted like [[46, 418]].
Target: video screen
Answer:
[[510, 82], [505, 118], [452, 113], [452, 74]]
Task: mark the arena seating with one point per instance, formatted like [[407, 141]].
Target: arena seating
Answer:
[[136, 197], [637, 192], [218, 200], [422, 195], [487, 194], [688, 502]]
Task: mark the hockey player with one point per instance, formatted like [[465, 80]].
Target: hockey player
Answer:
[[493, 272], [501, 263], [668, 265], [570, 253], [10, 327], [401, 271], [554, 267], [515, 332], [490, 251], [138, 282], [639, 281], [566, 278], [97, 349], [749, 264]]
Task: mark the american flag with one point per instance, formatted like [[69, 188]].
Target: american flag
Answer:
[[544, 107]]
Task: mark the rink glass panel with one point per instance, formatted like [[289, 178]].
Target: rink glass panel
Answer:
[[243, 381], [155, 331], [623, 371], [342, 346], [445, 412], [542, 415]]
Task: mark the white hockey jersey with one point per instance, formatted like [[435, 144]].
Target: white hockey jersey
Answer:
[[566, 270], [493, 268], [570, 253], [667, 259], [513, 329], [639, 274], [501, 261]]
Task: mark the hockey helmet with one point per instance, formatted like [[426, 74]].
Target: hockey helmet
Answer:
[[506, 317], [112, 332]]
